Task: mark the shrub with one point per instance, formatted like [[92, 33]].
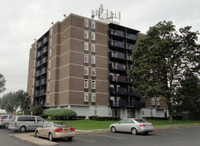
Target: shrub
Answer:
[[60, 114], [79, 117], [37, 110], [104, 118]]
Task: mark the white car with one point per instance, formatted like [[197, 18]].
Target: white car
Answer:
[[134, 126]]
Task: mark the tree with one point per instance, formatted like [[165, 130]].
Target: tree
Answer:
[[160, 59], [2, 83], [15, 100], [188, 95], [24, 100]]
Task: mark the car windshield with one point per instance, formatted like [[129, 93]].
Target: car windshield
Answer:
[[60, 124], [140, 121]]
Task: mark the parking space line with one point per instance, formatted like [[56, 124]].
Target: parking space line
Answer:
[[85, 140], [121, 138]]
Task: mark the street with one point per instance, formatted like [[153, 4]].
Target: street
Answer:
[[167, 137]]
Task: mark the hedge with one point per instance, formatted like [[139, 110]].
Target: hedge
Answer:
[[60, 114], [98, 118]]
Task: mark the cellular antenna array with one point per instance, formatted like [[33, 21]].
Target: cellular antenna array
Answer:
[[100, 13]]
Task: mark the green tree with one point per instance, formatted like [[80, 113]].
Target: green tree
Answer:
[[15, 100], [159, 59], [188, 95], [2, 83], [24, 100]]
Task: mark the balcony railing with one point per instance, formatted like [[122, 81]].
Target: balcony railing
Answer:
[[44, 50], [118, 91], [121, 79], [115, 43], [116, 32], [126, 103], [130, 46], [43, 81], [131, 36], [117, 55], [117, 66]]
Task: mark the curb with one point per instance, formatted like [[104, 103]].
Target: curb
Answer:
[[34, 140]]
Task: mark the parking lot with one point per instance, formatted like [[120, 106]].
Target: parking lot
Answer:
[[170, 137], [166, 137]]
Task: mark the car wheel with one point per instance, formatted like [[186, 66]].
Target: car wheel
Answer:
[[36, 134], [69, 138], [134, 131], [113, 129], [50, 137], [22, 129]]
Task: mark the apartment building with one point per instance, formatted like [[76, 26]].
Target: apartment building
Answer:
[[81, 64]]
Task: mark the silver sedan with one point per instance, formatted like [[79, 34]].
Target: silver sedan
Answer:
[[134, 126]]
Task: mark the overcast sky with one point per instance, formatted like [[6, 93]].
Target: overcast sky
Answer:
[[22, 21]]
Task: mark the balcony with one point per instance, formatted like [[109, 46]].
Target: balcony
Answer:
[[120, 79], [131, 36], [37, 73], [116, 55], [129, 57], [133, 93], [130, 46], [39, 54], [45, 40], [37, 93], [37, 83], [118, 44], [39, 44], [38, 63], [126, 104], [116, 32], [43, 81], [44, 50], [118, 91], [117, 67], [43, 71], [44, 60], [42, 92]]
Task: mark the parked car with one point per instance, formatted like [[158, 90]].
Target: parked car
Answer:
[[4, 120], [53, 130], [24, 123], [134, 126]]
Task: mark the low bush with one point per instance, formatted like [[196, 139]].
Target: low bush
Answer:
[[79, 117], [60, 114], [98, 118]]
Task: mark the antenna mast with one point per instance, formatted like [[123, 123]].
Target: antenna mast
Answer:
[[100, 13]]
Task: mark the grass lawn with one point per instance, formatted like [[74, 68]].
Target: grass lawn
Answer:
[[93, 124]]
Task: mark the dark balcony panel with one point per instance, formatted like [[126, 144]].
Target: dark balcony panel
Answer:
[[122, 91], [37, 83], [111, 90], [121, 79], [44, 70], [42, 92], [39, 54], [117, 66], [122, 103], [44, 60], [38, 63], [130, 46], [137, 104], [37, 93], [116, 32], [39, 44], [43, 81], [45, 39], [117, 55], [44, 50], [37, 73], [115, 43], [129, 57], [131, 36]]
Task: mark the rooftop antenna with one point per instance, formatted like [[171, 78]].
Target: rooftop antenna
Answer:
[[100, 13]]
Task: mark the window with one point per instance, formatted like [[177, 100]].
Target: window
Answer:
[[86, 34], [86, 46], [50, 42], [93, 84], [93, 71], [49, 63], [86, 23], [93, 25], [86, 70], [93, 47], [85, 96], [93, 97], [153, 101], [93, 59], [85, 83], [93, 36], [86, 58], [51, 32]]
